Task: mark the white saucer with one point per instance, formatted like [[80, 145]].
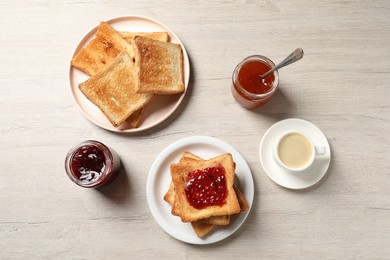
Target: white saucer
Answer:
[[159, 179], [281, 176]]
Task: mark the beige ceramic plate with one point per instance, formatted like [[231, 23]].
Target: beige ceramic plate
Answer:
[[156, 111]]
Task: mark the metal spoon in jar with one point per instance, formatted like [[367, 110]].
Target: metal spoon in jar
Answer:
[[293, 57]]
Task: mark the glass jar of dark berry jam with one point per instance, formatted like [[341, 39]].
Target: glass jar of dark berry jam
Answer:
[[92, 164]]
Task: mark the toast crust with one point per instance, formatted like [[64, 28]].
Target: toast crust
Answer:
[[135, 118], [158, 36], [202, 229]]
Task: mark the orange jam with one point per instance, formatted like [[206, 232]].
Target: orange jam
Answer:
[[249, 77]]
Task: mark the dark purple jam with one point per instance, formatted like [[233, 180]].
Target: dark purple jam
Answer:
[[88, 163], [92, 164]]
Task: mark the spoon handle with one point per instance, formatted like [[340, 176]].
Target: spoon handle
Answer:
[[293, 57]]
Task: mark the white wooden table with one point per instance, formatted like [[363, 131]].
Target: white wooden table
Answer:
[[341, 85]]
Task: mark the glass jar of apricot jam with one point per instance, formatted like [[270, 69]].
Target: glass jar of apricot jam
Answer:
[[92, 164], [248, 88]]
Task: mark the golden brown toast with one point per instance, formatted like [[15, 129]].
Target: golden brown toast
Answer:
[[189, 155], [179, 174], [217, 220], [101, 51], [159, 66], [202, 229], [203, 226], [135, 118], [113, 90], [244, 205], [170, 194], [158, 36], [171, 197]]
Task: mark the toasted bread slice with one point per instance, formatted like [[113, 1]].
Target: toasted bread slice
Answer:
[[159, 66], [203, 226], [101, 51], [179, 174], [170, 194], [135, 118], [244, 205], [189, 155], [215, 220], [113, 90], [158, 36], [218, 220], [202, 229], [176, 204]]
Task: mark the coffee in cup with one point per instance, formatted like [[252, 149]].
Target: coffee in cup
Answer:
[[294, 151]]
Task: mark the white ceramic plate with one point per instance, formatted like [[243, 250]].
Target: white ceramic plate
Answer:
[[279, 175], [159, 179], [156, 111]]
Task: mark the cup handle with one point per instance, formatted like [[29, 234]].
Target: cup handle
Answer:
[[320, 150]]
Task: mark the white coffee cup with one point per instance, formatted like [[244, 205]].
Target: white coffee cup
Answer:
[[295, 152]]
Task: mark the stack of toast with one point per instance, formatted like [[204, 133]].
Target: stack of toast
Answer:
[[127, 70], [205, 218]]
